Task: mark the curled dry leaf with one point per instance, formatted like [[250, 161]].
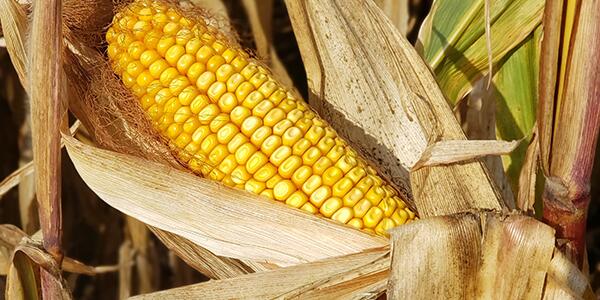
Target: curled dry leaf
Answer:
[[354, 275], [477, 255], [226, 221], [447, 152]]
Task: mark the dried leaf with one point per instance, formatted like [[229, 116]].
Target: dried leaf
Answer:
[[345, 273], [405, 109], [397, 11], [226, 221], [466, 256], [13, 19], [565, 281], [527, 177], [448, 152]]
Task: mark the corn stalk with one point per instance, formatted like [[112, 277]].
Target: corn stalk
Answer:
[[569, 116]]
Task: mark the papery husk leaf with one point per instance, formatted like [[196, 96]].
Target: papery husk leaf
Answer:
[[565, 280], [452, 39], [13, 18], [471, 255], [397, 11], [226, 221], [528, 175], [447, 152], [346, 273], [385, 101]]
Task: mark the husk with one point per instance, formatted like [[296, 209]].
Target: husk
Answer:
[[226, 221], [342, 277], [405, 109]]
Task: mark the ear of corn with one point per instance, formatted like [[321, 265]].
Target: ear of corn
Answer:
[[226, 118]]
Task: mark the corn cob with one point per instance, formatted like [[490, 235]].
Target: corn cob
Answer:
[[226, 118]]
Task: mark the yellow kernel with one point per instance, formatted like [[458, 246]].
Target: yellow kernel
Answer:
[[219, 47], [274, 180], [135, 68], [289, 166], [144, 80], [356, 223], [304, 124], [312, 184], [146, 101], [268, 88], [183, 36], [288, 105], [375, 194], [388, 205], [258, 79], [155, 112], [400, 216], [219, 121], [314, 134], [182, 114], [250, 124], [148, 57], [253, 99], [209, 143], [239, 114], [234, 82], [295, 115], [158, 67], [239, 63], [255, 186], [342, 187], [267, 193], [204, 54], [297, 199], [227, 102], [152, 38], [332, 175], [283, 189], [270, 144], [274, 116], [265, 173], [372, 217], [311, 156], [214, 63], [277, 96], [239, 175], [112, 50], [227, 180], [164, 122], [301, 146], [279, 155], [205, 80], [168, 75], [208, 113], [174, 130], [256, 161], [195, 70], [356, 174], [301, 175], [330, 206], [164, 44], [325, 145], [218, 154], [123, 40], [335, 153], [224, 72], [237, 140], [229, 55], [352, 197], [128, 79], [361, 208], [187, 95], [282, 126], [243, 90], [199, 103], [145, 14], [343, 214], [319, 196], [399, 202], [136, 49], [260, 135], [191, 125], [309, 208], [178, 84], [200, 134], [384, 225], [226, 133], [207, 38], [244, 152], [262, 108], [171, 28], [216, 90], [249, 71], [193, 45], [182, 140], [185, 62], [291, 136]]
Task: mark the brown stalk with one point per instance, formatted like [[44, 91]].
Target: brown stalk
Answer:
[[46, 113], [569, 116]]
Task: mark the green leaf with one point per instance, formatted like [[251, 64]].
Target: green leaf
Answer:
[[515, 93], [452, 39]]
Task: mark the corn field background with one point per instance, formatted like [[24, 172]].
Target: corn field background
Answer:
[[106, 254]]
